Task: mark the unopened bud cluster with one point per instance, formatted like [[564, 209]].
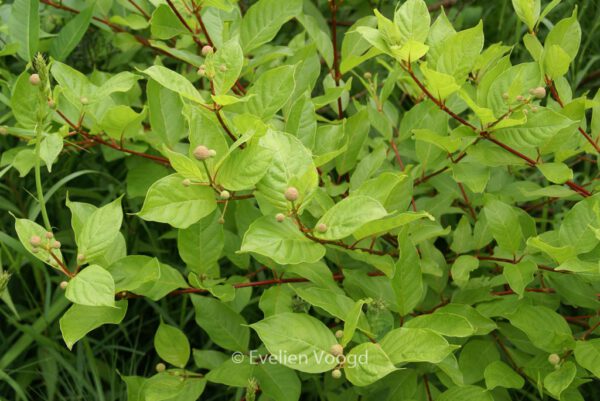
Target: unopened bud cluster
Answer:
[[204, 153]]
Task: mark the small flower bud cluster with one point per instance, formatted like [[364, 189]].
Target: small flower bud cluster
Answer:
[[204, 153], [38, 243]]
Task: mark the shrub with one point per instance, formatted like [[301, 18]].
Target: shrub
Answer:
[[398, 212]]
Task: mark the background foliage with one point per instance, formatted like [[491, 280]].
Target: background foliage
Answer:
[[495, 241]]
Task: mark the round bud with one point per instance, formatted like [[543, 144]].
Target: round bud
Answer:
[[280, 217], [34, 79], [534, 109], [201, 71], [339, 334], [321, 227], [539, 92], [336, 350], [63, 285], [35, 240], [3, 130], [221, 220], [84, 100], [505, 96], [160, 367], [35, 250], [186, 182], [56, 244], [80, 257], [222, 68], [49, 235], [520, 98], [291, 194], [554, 359], [225, 194], [367, 75], [207, 49], [336, 374], [202, 152], [212, 152], [51, 103]]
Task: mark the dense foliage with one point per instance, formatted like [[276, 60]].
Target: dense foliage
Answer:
[[287, 199]]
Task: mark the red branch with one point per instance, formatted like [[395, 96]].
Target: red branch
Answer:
[[333, 7], [98, 139], [184, 22], [556, 97], [408, 68]]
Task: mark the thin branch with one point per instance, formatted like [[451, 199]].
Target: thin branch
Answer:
[[98, 139], [486, 135], [140, 9], [333, 7], [556, 97], [467, 201], [184, 22]]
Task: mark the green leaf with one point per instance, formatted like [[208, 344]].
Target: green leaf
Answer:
[[460, 51], [388, 224], [575, 229], [172, 345], [205, 238], [556, 62], [407, 282], [99, 230], [278, 382], [374, 365], [26, 229], [165, 108], [348, 215], [504, 223], [281, 241], [93, 286], [466, 393], [145, 276], [80, 320], [71, 34], [302, 341], [539, 128], [499, 374], [50, 148], [24, 27], [405, 345], [558, 381], [228, 62], [225, 327], [462, 268], [186, 166], [519, 275], [291, 165], [557, 173], [351, 320], [412, 19], [263, 20], [121, 122], [587, 354], [447, 324], [164, 24], [175, 82], [566, 34], [243, 169], [168, 201], [546, 329], [271, 91], [528, 11], [169, 387], [482, 324], [24, 95]]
